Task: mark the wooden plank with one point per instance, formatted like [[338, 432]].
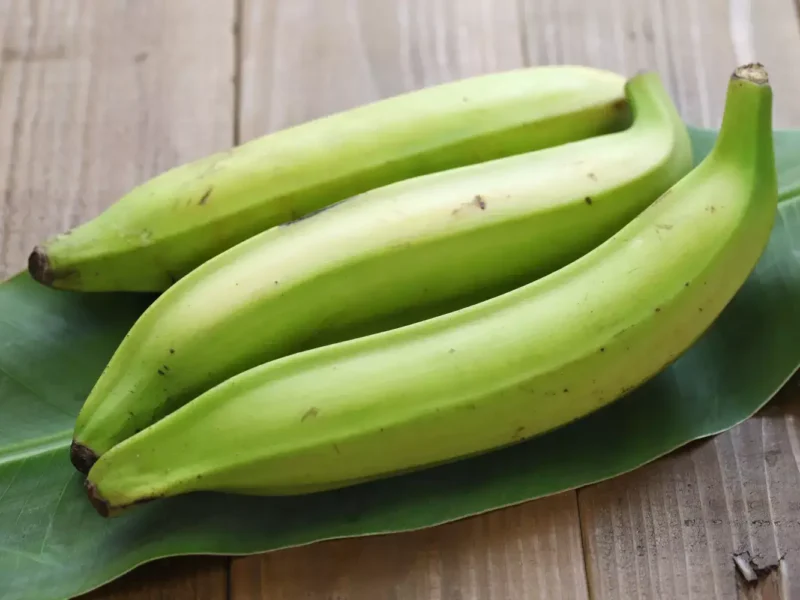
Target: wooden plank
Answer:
[[181, 578], [356, 51], [96, 97], [528, 552], [693, 44], [675, 528]]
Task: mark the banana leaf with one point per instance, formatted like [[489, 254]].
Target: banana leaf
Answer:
[[53, 346]]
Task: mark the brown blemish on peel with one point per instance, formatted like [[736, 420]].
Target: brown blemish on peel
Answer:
[[103, 507], [620, 105], [478, 201], [588, 200], [592, 176], [204, 199], [82, 457], [310, 413], [39, 266]]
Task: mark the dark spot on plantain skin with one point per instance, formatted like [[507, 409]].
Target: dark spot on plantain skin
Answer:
[[592, 176], [661, 197], [82, 458], [686, 284], [566, 390], [478, 201], [101, 505], [335, 447], [451, 351], [166, 368], [39, 266], [588, 200], [205, 196], [658, 309], [160, 372], [602, 349], [296, 217], [663, 226], [518, 433], [620, 105], [711, 209], [140, 57], [172, 350], [310, 413]]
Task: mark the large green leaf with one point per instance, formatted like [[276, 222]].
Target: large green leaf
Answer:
[[53, 345]]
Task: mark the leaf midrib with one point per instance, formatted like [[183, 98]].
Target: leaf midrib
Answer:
[[36, 446]]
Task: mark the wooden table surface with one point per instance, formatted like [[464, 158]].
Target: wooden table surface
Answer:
[[98, 95]]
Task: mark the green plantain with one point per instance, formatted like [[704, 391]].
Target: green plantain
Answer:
[[392, 256]]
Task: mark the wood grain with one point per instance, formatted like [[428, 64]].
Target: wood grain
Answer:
[[693, 44], [303, 59], [181, 578], [672, 529], [528, 552], [96, 97]]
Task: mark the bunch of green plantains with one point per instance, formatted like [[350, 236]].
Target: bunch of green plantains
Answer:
[[412, 282]]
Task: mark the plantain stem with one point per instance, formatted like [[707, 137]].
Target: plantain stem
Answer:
[[745, 136], [752, 72]]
